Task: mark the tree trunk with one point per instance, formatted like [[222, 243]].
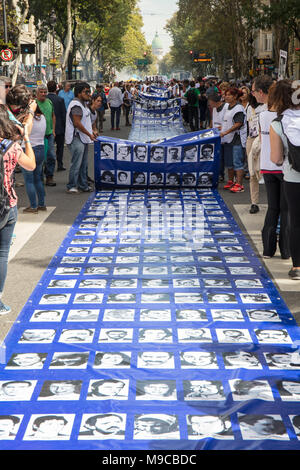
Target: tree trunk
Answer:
[[68, 43]]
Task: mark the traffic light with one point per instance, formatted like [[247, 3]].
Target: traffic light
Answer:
[[145, 53], [191, 52], [27, 48]]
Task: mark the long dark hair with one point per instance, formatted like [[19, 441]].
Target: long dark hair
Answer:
[[8, 130]]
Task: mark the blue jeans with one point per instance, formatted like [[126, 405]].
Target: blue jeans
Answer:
[[115, 112], [34, 179], [79, 164], [50, 157], [234, 156], [6, 234]]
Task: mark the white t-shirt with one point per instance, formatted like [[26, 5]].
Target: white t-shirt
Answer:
[[289, 174], [37, 134]]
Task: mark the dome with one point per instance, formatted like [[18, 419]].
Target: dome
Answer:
[[157, 46]]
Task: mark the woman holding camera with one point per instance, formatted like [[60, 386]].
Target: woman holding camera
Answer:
[[11, 153]]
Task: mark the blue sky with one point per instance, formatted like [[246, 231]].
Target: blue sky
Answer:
[[155, 15]]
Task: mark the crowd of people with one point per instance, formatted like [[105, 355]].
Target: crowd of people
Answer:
[[253, 120]]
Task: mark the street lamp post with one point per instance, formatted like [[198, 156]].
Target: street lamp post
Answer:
[[5, 30], [52, 19]]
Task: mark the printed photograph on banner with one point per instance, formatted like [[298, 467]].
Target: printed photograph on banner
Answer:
[[198, 360], [60, 390], [9, 426], [88, 298], [289, 389], [259, 426], [156, 390], [123, 283], [67, 270], [62, 283], [189, 179], [227, 315], [116, 335], [231, 335], [174, 154], [16, 390], [83, 335], [118, 314], [208, 390], [139, 178], [205, 179], [156, 426], [157, 154], [190, 314], [194, 335], [107, 151], [47, 316], [282, 360], [243, 390], [272, 336], [103, 426], [123, 152], [155, 335], [155, 360], [112, 360], [241, 359], [69, 360], [107, 176], [123, 177], [84, 315], [212, 426], [108, 389], [37, 336], [140, 153], [156, 179], [207, 152], [29, 360], [190, 153], [263, 315]]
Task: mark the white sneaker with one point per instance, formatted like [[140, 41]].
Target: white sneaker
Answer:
[[72, 191]]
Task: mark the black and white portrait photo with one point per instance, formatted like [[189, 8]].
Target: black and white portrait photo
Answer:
[[123, 177], [258, 427], [107, 176], [60, 390], [112, 360], [54, 427], [190, 153], [203, 426], [250, 389], [83, 315], [124, 152], [112, 314], [206, 152], [140, 153], [108, 389], [115, 335], [155, 360], [174, 154], [107, 151], [209, 390], [156, 426], [103, 426], [156, 390], [16, 390]]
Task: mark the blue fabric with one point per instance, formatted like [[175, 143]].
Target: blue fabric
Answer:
[[181, 334]]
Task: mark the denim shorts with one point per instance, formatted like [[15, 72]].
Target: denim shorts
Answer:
[[234, 156]]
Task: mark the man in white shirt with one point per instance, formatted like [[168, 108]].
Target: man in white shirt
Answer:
[[115, 101]]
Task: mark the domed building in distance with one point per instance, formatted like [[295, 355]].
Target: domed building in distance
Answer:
[[157, 47]]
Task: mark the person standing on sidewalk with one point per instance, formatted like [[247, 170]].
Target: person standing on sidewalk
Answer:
[[78, 135], [60, 122], [47, 109], [115, 101]]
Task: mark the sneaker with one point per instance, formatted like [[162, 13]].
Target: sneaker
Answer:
[[254, 209], [228, 185], [61, 168], [267, 257], [42, 208], [294, 274], [30, 210], [237, 188], [118, 129], [112, 128], [50, 182], [86, 190], [72, 191], [4, 309]]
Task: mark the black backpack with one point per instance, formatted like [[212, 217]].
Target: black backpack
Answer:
[[5, 144], [293, 150], [192, 97]]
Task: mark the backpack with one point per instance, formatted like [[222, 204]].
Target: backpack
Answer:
[[292, 134], [4, 197], [192, 97]]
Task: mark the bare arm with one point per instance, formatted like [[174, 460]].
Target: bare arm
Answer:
[[277, 154], [234, 128], [27, 158]]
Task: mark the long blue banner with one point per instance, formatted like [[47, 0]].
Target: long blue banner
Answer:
[[154, 326], [188, 160]]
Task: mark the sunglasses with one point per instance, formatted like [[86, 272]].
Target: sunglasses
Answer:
[[8, 86]]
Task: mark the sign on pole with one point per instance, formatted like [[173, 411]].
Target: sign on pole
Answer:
[[282, 64], [6, 55]]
